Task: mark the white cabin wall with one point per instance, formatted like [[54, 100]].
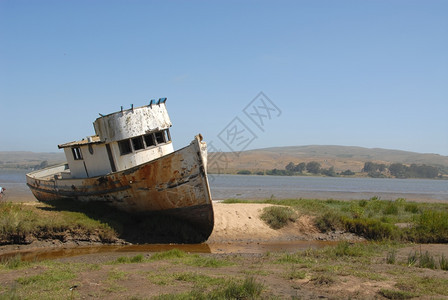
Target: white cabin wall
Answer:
[[97, 163], [130, 123], [133, 159], [77, 168]]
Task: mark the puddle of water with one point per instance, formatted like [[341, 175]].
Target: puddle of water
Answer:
[[222, 248]]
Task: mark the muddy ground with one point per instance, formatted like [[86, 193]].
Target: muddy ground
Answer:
[[238, 239]]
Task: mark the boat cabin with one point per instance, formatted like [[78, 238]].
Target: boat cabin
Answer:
[[123, 140]]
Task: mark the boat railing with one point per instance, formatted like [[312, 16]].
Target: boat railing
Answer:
[[49, 171]]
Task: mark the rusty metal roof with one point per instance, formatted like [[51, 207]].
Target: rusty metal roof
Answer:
[[94, 140]]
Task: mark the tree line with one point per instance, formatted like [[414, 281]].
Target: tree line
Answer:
[[292, 169], [26, 166], [400, 170], [375, 170]]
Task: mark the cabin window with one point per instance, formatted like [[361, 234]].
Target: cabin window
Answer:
[[149, 140], [168, 135], [160, 137], [77, 155], [137, 143], [125, 147]]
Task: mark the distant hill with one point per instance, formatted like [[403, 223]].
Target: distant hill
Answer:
[[28, 159], [340, 157]]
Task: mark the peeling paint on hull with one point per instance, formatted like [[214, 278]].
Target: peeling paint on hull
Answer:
[[175, 184]]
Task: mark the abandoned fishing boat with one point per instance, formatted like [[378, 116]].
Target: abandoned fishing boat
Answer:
[[130, 164]]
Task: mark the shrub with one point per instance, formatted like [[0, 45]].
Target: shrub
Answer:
[[443, 263], [330, 221], [391, 257], [412, 258], [391, 208], [356, 211], [244, 172], [427, 261], [430, 227], [363, 203], [348, 173], [233, 200], [422, 260], [411, 207], [278, 216], [371, 228]]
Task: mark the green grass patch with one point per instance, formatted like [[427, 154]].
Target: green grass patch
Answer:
[[160, 278], [424, 285], [295, 258], [199, 280], [48, 277], [170, 254], [396, 294], [197, 260], [115, 275], [295, 273], [373, 219], [13, 262], [249, 288], [53, 280], [53, 283], [194, 260], [128, 260], [18, 222]]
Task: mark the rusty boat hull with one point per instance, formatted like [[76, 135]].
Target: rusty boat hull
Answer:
[[175, 184]]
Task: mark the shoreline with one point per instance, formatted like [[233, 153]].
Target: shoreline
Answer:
[[238, 229], [235, 224], [19, 192]]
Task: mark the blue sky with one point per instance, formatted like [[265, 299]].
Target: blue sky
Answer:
[[357, 73]]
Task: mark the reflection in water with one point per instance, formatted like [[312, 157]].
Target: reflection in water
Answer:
[[55, 253]]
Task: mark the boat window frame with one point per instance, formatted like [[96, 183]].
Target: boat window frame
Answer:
[[77, 153], [168, 135], [160, 134], [153, 139], [139, 140], [125, 147]]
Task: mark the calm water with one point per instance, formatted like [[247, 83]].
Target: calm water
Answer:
[[260, 187], [13, 176], [55, 253], [250, 187]]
